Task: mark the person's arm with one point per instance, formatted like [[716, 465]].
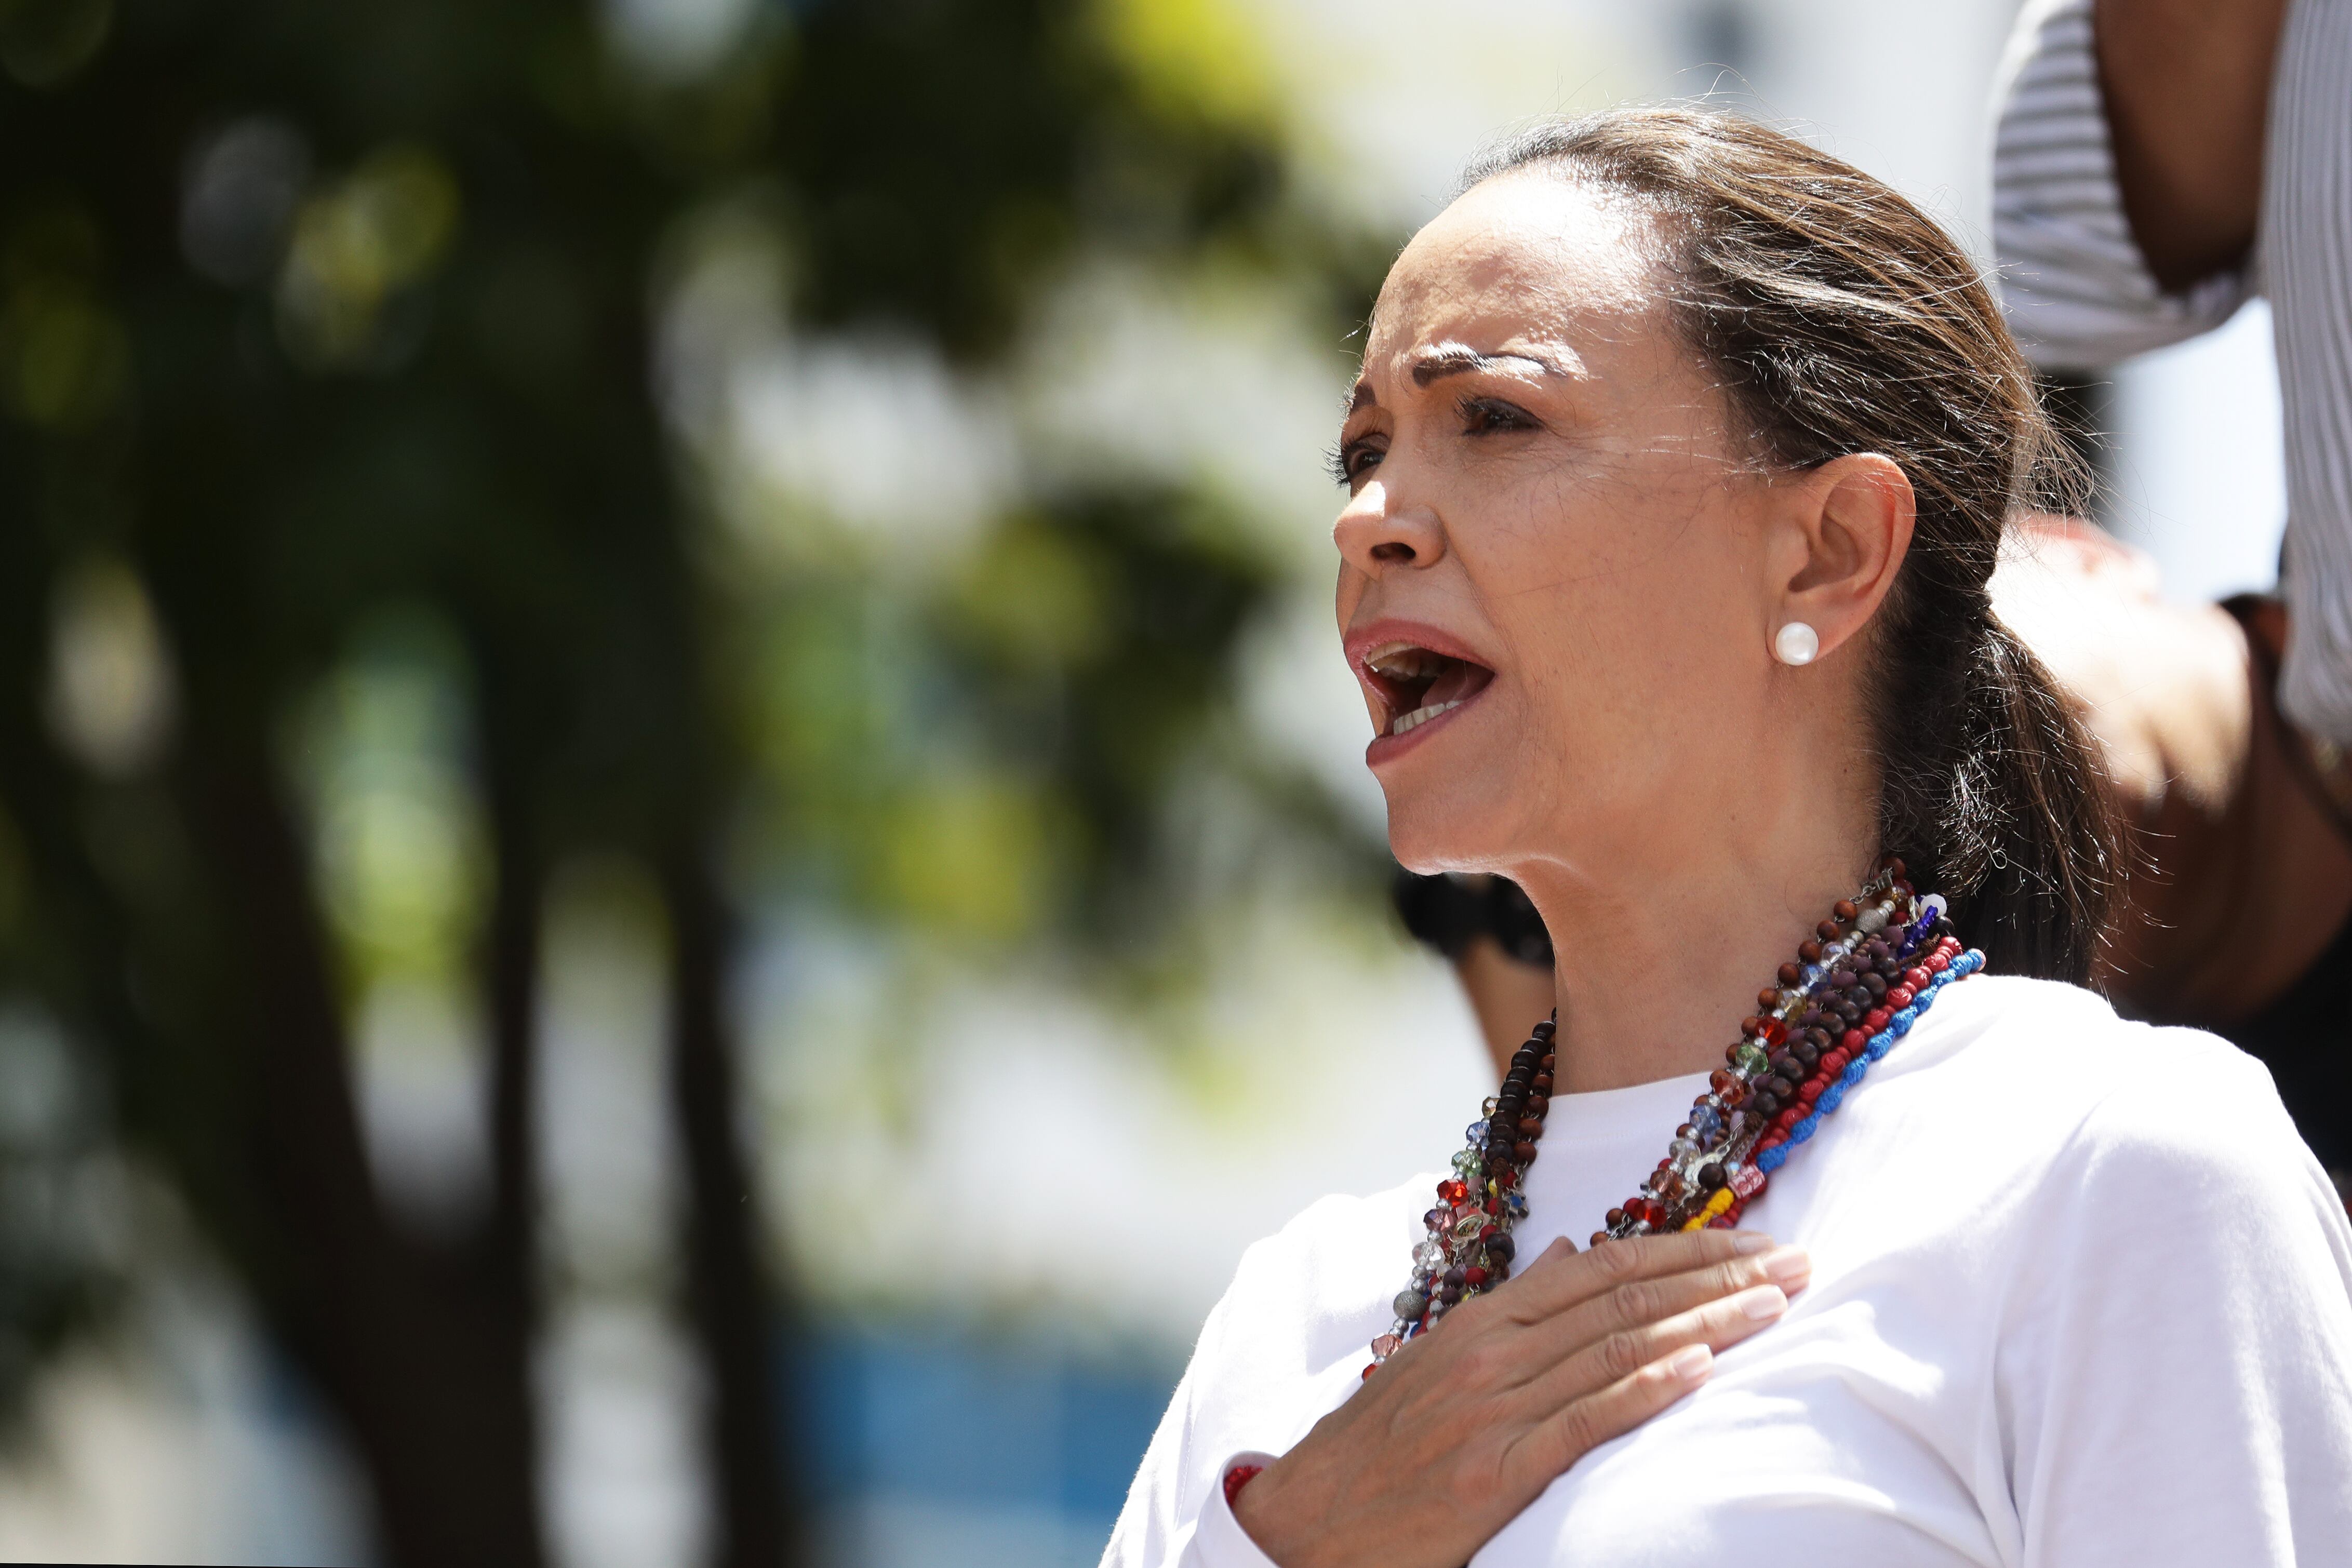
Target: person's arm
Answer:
[[2306, 257], [2142, 147], [1492, 935], [2187, 91], [2240, 875], [1510, 997], [2079, 292]]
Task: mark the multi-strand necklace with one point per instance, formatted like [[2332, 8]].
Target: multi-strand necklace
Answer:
[[1857, 986]]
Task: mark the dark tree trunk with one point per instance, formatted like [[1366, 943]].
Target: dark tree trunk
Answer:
[[429, 1367], [505, 1258], [726, 1288], [212, 985]]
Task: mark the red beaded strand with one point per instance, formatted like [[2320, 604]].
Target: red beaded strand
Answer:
[[1846, 983]]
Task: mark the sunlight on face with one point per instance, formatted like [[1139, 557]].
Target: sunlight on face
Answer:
[[1551, 587]]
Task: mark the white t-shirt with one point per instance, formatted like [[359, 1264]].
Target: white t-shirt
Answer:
[[2080, 1295]]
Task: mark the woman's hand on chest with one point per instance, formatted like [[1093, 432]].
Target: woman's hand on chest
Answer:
[[1467, 1423]]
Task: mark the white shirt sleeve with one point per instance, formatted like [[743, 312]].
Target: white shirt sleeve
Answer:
[[1218, 1539], [1176, 1515], [1156, 1524], [2176, 1356], [2076, 289]]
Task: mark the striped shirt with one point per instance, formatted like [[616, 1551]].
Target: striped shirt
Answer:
[[2079, 295]]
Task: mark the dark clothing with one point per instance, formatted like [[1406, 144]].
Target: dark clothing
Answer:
[[1448, 913], [2304, 1038]]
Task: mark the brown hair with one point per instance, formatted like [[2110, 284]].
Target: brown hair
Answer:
[[1843, 320]]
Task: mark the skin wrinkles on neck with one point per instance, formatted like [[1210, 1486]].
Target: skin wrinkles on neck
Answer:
[[1654, 971], [1680, 807]]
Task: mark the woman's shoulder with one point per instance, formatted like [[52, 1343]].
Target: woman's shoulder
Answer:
[[2163, 1270], [2069, 1040], [1301, 1298], [1336, 1249], [2158, 1118]]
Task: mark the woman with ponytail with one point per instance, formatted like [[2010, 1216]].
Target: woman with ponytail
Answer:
[[1831, 1220]]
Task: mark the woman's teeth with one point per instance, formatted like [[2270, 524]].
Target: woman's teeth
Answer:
[[1420, 683], [1406, 661], [1419, 716]]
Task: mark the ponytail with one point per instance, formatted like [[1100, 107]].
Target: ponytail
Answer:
[[2024, 843]]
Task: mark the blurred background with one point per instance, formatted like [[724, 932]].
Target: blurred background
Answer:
[[683, 851]]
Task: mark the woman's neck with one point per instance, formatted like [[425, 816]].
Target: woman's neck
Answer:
[[1656, 965]]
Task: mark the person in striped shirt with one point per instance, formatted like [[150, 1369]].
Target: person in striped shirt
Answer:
[[2157, 164]]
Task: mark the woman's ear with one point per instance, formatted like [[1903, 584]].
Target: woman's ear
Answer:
[[1844, 529]]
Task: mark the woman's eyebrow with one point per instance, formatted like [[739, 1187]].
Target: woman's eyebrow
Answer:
[[1435, 364]]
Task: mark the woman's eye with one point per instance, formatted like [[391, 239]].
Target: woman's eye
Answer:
[[1490, 416], [1352, 460]]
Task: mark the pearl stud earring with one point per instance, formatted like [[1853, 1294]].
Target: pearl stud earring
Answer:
[[1796, 643]]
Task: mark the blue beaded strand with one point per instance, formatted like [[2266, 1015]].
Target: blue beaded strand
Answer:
[[1960, 968]]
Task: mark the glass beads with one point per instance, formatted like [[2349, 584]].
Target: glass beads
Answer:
[[1881, 950]]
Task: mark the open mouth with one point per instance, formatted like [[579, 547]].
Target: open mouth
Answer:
[[1417, 684]]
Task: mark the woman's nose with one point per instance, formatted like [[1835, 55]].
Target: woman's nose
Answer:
[[1375, 536]]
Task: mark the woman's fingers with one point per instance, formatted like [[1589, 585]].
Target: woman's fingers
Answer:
[[1563, 1278], [1538, 1367], [1642, 1301], [1524, 1352], [1602, 1364], [1613, 1385], [1547, 1448]]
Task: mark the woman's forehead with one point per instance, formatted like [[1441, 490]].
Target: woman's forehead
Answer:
[[1528, 256]]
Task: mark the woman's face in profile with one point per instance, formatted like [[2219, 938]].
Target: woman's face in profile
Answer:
[[1553, 587]]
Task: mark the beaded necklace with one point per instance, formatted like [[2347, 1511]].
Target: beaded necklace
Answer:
[[1857, 986]]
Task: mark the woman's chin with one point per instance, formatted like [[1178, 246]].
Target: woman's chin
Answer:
[[1459, 789], [1447, 833]]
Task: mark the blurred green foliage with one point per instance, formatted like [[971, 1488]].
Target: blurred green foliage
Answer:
[[987, 757], [355, 575], [378, 754]]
